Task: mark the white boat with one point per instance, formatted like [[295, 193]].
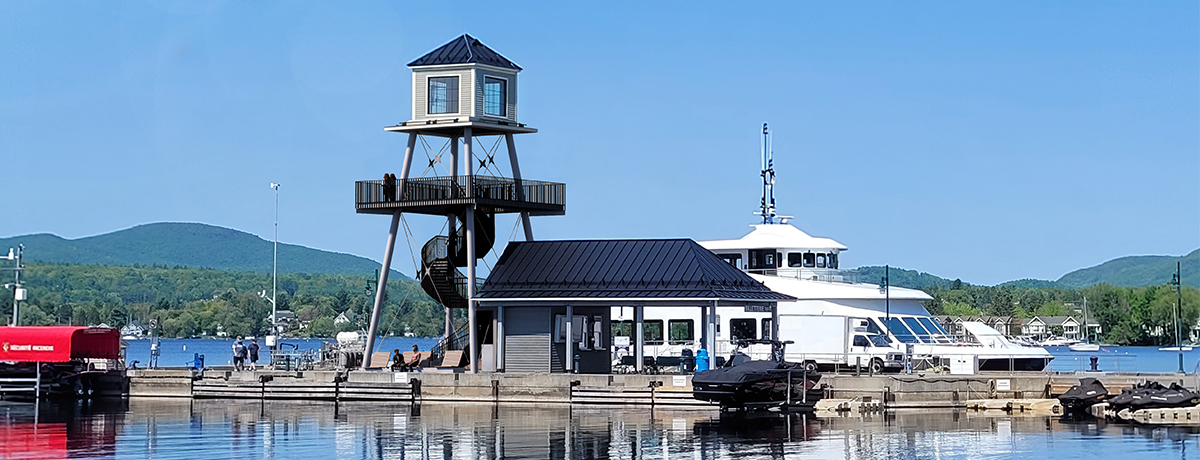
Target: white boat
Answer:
[[1058, 342], [1084, 347], [791, 262], [1185, 348]]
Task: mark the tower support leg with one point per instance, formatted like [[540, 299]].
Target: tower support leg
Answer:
[[387, 256], [516, 170], [468, 161]]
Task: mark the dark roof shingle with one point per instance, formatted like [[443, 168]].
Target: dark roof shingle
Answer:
[[676, 268], [464, 50]]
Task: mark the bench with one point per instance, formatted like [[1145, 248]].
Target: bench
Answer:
[[379, 360], [452, 359]]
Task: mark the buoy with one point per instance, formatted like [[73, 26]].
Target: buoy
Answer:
[[185, 348]]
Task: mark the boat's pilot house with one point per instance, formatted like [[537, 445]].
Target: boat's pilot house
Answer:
[[767, 259]]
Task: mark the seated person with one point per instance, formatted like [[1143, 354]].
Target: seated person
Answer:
[[397, 361], [415, 362]]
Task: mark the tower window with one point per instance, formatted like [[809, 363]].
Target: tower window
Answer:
[[443, 94], [495, 96]]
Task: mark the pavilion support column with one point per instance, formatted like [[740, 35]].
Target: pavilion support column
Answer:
[[373, 329], [470, 236], [775, 321], [712, 332], [516, 170], [569, 364], [639, 340], [499, 338], [451, 225]]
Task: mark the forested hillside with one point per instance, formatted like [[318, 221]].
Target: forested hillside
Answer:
[[193, 302], [192, 245], [1137, 271]]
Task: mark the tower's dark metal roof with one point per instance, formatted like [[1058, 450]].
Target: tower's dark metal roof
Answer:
[[464, 50], [666, 269]]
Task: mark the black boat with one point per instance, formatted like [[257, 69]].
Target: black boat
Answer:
[[759, 384], [1080, 397], [1152, 395]]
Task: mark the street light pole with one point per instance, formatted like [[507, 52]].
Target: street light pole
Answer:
[[275, 268], [886, 287], [1176, 284]]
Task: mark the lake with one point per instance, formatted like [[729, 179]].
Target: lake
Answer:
[[203, 429]]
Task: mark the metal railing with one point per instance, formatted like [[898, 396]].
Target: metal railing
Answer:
[[449, 188], [815, 274]]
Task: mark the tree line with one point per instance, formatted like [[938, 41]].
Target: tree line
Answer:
[[1126, 315], [199, 302]]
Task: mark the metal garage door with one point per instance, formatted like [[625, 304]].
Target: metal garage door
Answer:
[[527, 339]]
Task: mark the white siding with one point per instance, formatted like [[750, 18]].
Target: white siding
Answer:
[[421, 92]]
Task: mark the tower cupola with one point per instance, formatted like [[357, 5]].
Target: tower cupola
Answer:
[[464, 80]]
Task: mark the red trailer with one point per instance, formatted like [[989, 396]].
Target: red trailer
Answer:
[[59, 359]]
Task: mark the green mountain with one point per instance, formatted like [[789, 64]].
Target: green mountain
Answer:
[[900, 277], [1135, 271], [193, 245]]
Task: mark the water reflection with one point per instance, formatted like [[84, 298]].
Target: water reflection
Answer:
[[172, 428]]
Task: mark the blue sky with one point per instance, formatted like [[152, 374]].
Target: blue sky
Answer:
[[988, 141]]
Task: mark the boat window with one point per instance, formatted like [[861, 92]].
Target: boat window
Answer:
[[795, 259], [916, 327], [879, 341], [652, 332], [769, 260], [833, 263], [896, 327], [766, 328], [778, 259], [861, 341], [681, 331], [732, 259], [742, 329], [932, 326], [820, 260], [810, 259]]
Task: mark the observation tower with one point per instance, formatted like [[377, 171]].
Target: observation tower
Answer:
[[464, 98]]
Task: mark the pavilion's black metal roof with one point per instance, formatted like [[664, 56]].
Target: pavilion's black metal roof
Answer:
[[610, 269], [464, 50]]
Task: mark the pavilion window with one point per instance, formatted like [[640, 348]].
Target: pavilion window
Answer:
[[681, 331], [743, 329]]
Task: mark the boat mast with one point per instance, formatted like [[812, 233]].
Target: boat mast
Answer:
[[768, 178]]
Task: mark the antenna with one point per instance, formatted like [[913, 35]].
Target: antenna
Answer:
[[767, 203]]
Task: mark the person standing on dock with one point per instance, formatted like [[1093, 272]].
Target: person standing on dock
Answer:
[[239, 355], [253, 350]]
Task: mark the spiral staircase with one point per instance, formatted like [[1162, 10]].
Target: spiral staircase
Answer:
[[440, 277]]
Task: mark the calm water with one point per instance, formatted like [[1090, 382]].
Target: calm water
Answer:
[[180, 429], [178, 352]]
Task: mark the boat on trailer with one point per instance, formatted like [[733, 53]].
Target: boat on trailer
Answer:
[[769, 384], [61, 361]]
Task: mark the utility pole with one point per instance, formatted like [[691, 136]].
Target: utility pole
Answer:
[[18, 289]]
